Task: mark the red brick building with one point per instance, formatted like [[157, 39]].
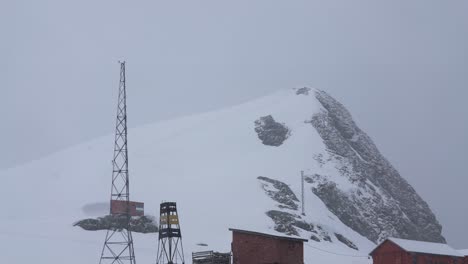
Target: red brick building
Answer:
[[402, 251], [258, 248], [465, 255], [120, 207]]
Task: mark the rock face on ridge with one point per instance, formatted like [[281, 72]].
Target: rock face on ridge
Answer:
[[287, 219], [383, 204], [270, 132], [281, 193]]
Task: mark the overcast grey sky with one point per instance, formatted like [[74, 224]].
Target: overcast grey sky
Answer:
[[400, 66]]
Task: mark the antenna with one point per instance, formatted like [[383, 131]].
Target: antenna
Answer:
[[118, 246], [302, 192]]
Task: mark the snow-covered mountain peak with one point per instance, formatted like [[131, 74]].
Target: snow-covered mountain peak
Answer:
[[237, 167]]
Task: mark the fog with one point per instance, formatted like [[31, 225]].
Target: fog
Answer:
[[401, 68]]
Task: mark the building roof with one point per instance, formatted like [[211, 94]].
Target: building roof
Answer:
[[268, 235], [423, 247], [464, 252]]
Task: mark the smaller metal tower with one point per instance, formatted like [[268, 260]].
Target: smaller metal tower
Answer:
[[170, 250]]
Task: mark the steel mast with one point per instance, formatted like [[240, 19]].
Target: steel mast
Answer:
[[118, 246]]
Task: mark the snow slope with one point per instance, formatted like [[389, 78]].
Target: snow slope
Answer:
[[207, 163]]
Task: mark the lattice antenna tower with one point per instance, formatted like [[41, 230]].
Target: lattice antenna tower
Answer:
[[170, 250], [118, 246]]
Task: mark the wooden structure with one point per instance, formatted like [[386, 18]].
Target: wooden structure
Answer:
[[120, 207], [253, 248], [402, 251], [211, 257]]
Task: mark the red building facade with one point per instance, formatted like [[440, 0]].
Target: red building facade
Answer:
[[465, 255], [120, 207], [254, 248], [400, 251]]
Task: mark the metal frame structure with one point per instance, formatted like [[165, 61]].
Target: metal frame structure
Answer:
[[170, 250], [118, 245], [211, 257]]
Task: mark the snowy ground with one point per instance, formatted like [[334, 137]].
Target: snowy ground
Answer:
[[207, 163]]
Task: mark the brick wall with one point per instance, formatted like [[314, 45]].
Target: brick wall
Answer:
[[258, 249], [120, 207], [389, 253], [423, 259]]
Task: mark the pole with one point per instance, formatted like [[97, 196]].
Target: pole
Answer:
[[302, 192]]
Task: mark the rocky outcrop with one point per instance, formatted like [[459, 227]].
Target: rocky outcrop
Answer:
[[303, 91], [270, 132], [288, 223], [279, 192], [382, 203], [287, 220], [139, 224], [284, 222], [346, 241]]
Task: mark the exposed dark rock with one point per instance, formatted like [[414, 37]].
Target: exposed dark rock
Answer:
[[304, 225], [346, 241], [283, 194], [144, 224], [395, 209], [324, 234], [139, 224], [270, 132], [284, 222], [287, 223], [315, 238], [327, 238], [339, 203], [303, 90]]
